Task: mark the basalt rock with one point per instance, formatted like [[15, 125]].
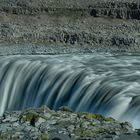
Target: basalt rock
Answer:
[[111, 8], [63, 125], [116, 9], [52, 27]]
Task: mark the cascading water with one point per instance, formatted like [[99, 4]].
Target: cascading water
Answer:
[[97, 83]]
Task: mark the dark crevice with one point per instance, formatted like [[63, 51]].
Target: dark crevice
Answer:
[[93, 13]]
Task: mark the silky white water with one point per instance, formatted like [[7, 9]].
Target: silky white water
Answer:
[[98, 83]]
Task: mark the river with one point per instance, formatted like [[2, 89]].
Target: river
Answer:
[[99, 83]]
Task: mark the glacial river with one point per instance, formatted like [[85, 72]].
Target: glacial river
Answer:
[[99, 83]]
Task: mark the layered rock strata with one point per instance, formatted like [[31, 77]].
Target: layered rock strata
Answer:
[[49, 26], [107, 8]]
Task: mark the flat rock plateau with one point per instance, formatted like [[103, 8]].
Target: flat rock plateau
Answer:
[[69, 26]]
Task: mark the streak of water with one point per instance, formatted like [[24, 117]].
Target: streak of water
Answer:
[[97, 83]]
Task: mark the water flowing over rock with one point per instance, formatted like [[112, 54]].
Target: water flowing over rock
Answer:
[[99, 83]]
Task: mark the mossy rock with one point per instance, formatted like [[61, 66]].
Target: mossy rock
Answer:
[[99, 117], [27, 116], [84, 133], [109, 119], [92, 116], [65, 108], [31, 116], [44, 136]]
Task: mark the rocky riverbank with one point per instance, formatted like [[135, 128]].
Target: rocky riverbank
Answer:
[[50, 27], [45, 124]]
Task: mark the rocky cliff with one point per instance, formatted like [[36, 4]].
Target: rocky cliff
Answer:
[[104, 8], [49, 26]]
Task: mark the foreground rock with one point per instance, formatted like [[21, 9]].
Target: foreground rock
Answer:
[[46, 124]]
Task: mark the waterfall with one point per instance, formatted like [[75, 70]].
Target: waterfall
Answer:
[[104, 84]]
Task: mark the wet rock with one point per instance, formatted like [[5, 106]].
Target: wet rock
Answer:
[[138, 131], [129, 137], [32, 117], [65, 108], [127, 127], [44, 136]]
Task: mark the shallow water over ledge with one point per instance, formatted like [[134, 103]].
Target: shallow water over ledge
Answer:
[[98, 83]]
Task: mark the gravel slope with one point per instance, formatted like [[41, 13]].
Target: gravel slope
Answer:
[[50, 27]]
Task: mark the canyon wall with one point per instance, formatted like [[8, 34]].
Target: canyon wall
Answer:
[[50, 26], [104, 8]]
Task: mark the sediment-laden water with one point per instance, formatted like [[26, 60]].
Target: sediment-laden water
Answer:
[[98, 83]]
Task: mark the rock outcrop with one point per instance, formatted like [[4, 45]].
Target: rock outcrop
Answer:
[[45, 124], [49, 26], [117, 9], [110, 8]]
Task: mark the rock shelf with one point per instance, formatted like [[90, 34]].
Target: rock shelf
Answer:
[[45, 124]]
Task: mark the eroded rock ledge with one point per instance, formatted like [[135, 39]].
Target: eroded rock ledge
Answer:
[[69, 26], [45, 124], [111, 8]]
